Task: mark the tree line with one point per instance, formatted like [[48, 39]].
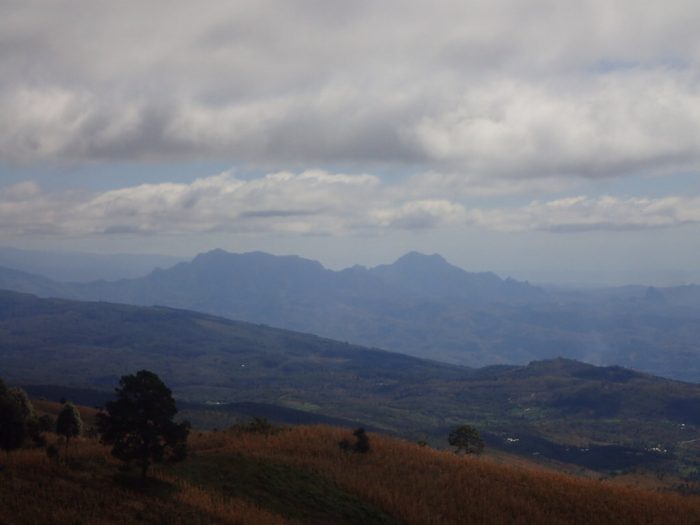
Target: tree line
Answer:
[[138, 424]]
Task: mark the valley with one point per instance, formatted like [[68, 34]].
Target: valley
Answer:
[[609, 419]]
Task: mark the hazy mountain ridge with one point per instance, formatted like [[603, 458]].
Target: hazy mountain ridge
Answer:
[[70, 266], [423, 306], [24, 282]]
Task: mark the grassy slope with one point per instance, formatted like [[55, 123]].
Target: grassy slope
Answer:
[[300, 475], [421, 485]]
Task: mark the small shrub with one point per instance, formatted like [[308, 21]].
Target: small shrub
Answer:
[[257, 425], [362, 441], [466, 438], [361, 444]]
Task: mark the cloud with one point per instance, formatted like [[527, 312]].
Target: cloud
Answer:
[[628, 122], [313, 202], [580, 213], [421, 214], [495, 90], [437, 184]]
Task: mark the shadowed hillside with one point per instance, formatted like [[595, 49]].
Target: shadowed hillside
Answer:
[[604, 418]]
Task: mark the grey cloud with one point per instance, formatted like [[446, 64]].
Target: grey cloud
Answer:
[[311, 202], [628, 122], [580, 214], [480, 89], [266, 214], [314, 202]]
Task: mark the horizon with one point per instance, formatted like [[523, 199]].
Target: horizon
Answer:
[[173, 260]]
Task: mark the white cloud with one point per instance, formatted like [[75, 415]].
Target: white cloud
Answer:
[[581, 213], [437, 184], [617, 123], [507, 90], [420, 214], [313, 202]]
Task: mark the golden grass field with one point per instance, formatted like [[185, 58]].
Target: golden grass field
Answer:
[[249, 478]]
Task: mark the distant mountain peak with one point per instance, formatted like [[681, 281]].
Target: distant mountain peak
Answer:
[[217, 253], [416, 259]]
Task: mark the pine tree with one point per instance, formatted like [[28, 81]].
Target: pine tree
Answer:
[[13, 424], [69, 424], [139, 423]]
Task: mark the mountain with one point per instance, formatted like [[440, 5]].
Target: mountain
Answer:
[[433, 277], [376, 307], [552, 408], [423, 306], [20, 281], [219, 280], [83, 267]]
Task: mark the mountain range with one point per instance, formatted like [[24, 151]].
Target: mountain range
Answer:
[[422, 306]]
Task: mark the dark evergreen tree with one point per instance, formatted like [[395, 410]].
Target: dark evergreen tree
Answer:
[[139, 423], [466, 439], [69, 424], [13, 423], [31, 421], [23, 402]]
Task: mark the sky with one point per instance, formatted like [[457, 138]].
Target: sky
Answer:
[[555, 141]]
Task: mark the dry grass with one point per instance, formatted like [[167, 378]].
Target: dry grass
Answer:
[[227, 509], [425, 486], [86, 489], [415, 485]]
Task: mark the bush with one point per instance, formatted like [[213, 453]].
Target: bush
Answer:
[[257, 425], [361, 444], [466, 439]]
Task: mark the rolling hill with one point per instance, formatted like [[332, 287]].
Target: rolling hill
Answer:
[[606, 418]]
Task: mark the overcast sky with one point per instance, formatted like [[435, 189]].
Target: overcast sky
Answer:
[[549, 140]]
